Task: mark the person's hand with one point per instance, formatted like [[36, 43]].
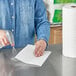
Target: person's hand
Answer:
[[40, 48], [3, 38]]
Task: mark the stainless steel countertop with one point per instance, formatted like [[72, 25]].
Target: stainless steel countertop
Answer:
[[56, 65]]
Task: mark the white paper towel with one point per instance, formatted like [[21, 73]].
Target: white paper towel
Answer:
[[69, 30], [27, 56]]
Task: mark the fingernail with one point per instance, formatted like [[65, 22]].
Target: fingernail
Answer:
[[12, 44]]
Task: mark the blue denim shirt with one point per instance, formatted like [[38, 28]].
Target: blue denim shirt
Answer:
[[24, 18]]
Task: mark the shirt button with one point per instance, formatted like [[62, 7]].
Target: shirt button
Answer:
[[12, 4], [13, 17], [12, 30]]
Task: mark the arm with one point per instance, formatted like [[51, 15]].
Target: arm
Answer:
[[42, 26]]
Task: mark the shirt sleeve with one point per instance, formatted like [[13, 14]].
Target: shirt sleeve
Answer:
[[42, 26]]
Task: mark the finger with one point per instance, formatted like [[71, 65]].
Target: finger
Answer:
[[36, 53], [6, 40], [36, 50], [39, 52], [2, 43]]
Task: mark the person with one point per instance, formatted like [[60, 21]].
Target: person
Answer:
[[25, 18]]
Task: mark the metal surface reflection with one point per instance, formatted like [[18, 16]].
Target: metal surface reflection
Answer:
[[68, 66], [5, 68], [56, 65]]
